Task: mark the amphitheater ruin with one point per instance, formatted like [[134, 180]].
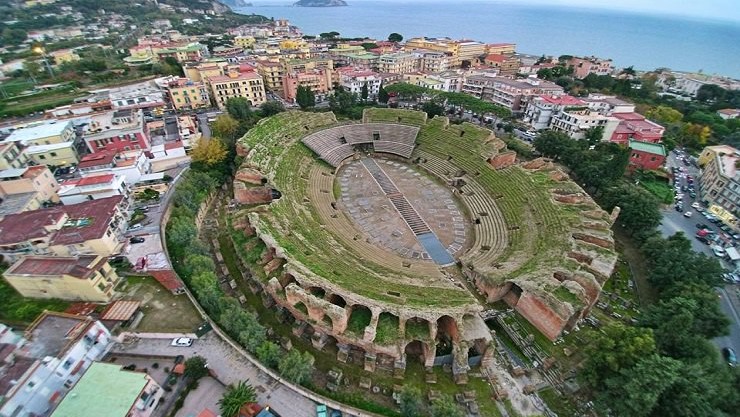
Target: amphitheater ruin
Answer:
[[389, 238]]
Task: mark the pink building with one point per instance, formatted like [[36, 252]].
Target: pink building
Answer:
[[590, 65], [319, 81], [635, 126]]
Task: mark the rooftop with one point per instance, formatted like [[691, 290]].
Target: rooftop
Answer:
[[105, 390], [563, 100], [40, 131], [85, 221], [52, 333], [120, 310], [97, 159], [648, 147], [14, 372], [14, 203], [55, 266], [235, 77]]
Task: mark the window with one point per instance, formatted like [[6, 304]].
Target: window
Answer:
[[53, 154], [42, 157], [68, 364]]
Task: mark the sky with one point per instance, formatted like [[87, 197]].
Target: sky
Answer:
[[725, 10]]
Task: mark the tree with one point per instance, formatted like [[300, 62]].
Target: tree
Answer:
[[672, 262], [305, 97], [618, 347], [239, 108], [639, 209], [433, 108], [411, 402], [13, 36], [32, 68], [709, 320], [395, 37], [196, 368], [271, 108], [635, 391], [664, 115], [269, 354], [594, 135], [225, 127], [209, 151], [244, 325], [364, 92], [382, 94], [235, 397], [296, 367], [444, 406]]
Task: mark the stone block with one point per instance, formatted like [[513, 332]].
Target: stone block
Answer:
[[503, 160], [251, 195]]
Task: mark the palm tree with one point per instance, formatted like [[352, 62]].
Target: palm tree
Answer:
[[236, 396]]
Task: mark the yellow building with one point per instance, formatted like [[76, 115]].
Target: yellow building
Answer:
[[211, 68], [64, 55], [56, 154], [35, 179], [185, 94], [94, 227], [501, 48], [79, 278], [12, 156], [44, 133], [444, 45], [710, 152], [469, 51], [245, 42], [272, 73], [237, 84], [398, 63], [292, 44]]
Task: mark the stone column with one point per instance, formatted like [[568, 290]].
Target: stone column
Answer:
[[370, 359]]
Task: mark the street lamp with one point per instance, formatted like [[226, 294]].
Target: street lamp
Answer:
[[38, 49]]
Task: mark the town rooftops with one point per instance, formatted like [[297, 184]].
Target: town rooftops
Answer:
[[647, 147], [14, 373], [54, 266], [234, 76], [97, 159], [121, 310], [14, 203], [563, 100], [105, 390], [51, 334], [95, 179], [84, 221], [40, 131]]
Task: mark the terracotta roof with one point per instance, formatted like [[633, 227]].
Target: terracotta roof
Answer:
[[96, 159], [53, 266], [496, 57], [238, 77], [629, 116], [120, 310], [564, 100], [13, 373], [173, 145], [81, 309], [5, 350], [96, 179], [207, 413], [92, 219], [167, 278]]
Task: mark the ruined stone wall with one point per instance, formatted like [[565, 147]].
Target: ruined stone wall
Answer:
[[503, 160], [540, 315]]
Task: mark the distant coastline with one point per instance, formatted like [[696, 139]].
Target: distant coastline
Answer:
[[320, 3], [640, 40]]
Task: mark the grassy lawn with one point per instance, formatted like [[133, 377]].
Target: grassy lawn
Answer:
[[14, 87], [18, 310], [558, 403], [660, 189], [21, 106], [163, 311]]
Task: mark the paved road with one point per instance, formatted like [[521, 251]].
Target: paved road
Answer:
[[229, 367], [205, 128], [673, 222]]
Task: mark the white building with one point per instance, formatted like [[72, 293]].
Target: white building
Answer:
[[353, 81], [540, 110], [94, 187], [575, 123], [59, 349], [131, 165]]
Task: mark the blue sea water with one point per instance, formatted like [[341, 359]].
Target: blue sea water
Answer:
[[644, 41]]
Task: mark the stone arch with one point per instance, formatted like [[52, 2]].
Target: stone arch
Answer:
[[287, 279], [316, 291], [388, 329], [337, 300], [359, 318], [301, 307], [417, 328], [447, 334], [327, 321], [415, 351]]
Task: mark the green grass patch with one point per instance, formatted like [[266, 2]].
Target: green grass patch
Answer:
[[660, 189], [19, 310], [388, 330], [417, 330], [558, 403], [358, 321]]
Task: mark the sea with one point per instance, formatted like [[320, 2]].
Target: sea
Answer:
[[645, 41]]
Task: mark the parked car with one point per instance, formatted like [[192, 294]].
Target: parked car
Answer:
[[695, 205], [687, 214], [136, 226], [136, 239], [729, 354], [719, 251], [321, 410], [182, 342]]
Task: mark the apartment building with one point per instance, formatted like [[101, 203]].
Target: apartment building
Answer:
[[501, 48], [117, 130], [12, 156], [468, 52], [185, 94], [353, 81], [319, 81], [191, 52], [200, 71], [106, 389], [94, 187], [582, 67], [645, 155], [577, 121], [540, 109], [607, 105], [509, 93], [636, 126], [244, 42], [398, 62], [272, 73], [450, 81], [302, 65], [77, 278], [48, 143], [248, 85], [26, 189], [507, 65], [40, 368], [430, 61], [720, 182], [133, 165], [92, 227]]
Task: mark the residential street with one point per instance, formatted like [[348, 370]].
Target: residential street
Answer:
[[229, 367], [673, 222]]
